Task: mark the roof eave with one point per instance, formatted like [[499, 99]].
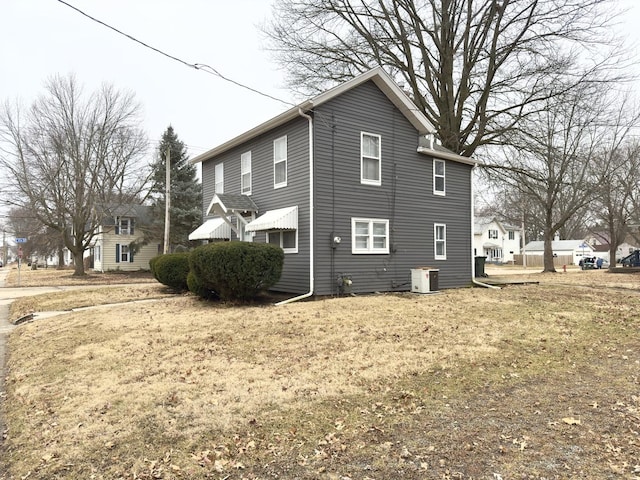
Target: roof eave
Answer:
[[447, 156], [382, 80]]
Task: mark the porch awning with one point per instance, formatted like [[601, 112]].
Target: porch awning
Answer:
[[224, 203], [211, 229], [280, 219], [490, 245]]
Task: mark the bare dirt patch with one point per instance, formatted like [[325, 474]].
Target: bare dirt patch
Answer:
[[531, 381]]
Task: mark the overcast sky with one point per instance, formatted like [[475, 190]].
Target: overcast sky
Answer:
[[39, 38]]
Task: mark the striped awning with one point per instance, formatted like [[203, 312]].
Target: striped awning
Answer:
[[214, 228], [280, 219]]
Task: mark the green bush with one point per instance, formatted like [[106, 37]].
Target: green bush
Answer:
[[171, 269], [196, 287], [237, 270]]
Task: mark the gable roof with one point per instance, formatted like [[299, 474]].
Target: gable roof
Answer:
[[558, 245], [382, 80], [142, 213]]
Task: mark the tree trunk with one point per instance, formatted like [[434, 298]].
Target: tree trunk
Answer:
[[548, 252], [78, 263]]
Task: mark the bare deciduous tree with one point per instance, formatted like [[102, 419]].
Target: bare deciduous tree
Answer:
[[554, 156], [475, 68], [70, 156], [617, 194]]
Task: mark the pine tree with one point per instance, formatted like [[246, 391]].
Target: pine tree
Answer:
[[186, 192]]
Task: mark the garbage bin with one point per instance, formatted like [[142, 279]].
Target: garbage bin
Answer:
[[479, 266], [424, 279]]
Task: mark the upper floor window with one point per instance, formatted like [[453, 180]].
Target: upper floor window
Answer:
[[440, 241], [124, 226], [287, 240], [370, 159], [512, 235], [245, 173], [438, 177], [493, 234], [280, 162], [369, 235], [219, 178]]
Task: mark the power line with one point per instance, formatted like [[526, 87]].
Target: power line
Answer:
[[197, 66]]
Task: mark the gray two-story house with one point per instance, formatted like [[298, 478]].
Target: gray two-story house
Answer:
[[354, 188]]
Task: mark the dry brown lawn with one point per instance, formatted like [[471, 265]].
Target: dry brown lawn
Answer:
[[535, 381], [64, 277]]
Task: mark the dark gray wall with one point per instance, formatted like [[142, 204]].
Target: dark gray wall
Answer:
[[405, 198], [295, 276]]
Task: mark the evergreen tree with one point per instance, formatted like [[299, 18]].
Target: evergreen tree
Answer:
[[186, 192]]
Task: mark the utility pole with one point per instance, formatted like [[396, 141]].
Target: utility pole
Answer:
[[167, 200]]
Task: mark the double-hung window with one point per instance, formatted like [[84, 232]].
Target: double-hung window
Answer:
[[280, 162], [440, 241], [123, 253], [369, 235], [493, 234], [512, 235], [124, 226], [245, 173], [219, 177], [370, 159], [438, 177], [287, 240]]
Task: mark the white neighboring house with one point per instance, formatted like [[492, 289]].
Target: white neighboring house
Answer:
[[495, 240], [112, 247], [576, 248]]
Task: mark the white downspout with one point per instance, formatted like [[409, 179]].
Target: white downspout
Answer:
[[311, 217], [473, 259]]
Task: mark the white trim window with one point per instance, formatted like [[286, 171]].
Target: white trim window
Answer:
[[440, 241], [124, 226], [219, 178], [245, 173], [280, 162], [287, 240], [493, 234], [369, 235], [370, 159], [438, 177]]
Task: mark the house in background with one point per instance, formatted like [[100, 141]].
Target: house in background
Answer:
[[497, 241], [352, 185], [118, 244]]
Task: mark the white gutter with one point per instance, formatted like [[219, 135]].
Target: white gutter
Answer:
[[311, 216], [473, 259]]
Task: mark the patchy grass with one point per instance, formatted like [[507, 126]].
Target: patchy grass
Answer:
[[43, 277], [77, 298], [531, 381]]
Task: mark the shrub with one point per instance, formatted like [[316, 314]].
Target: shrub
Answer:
[[237, 270], [171, 269], [196, 287]]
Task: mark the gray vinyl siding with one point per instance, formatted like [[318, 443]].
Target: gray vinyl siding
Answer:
[[295, 276], [405, 198]]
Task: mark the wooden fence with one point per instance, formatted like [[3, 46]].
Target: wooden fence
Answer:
[[538, 260]]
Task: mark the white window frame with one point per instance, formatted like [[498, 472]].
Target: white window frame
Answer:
[[371, 249], [438, 240], [245, 173], [218, 177], [278, 161], [280, 234], [121, 230], [436, 176], [493, 234], [97, 257], [512, 235], [368, 181], [124, 253]]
